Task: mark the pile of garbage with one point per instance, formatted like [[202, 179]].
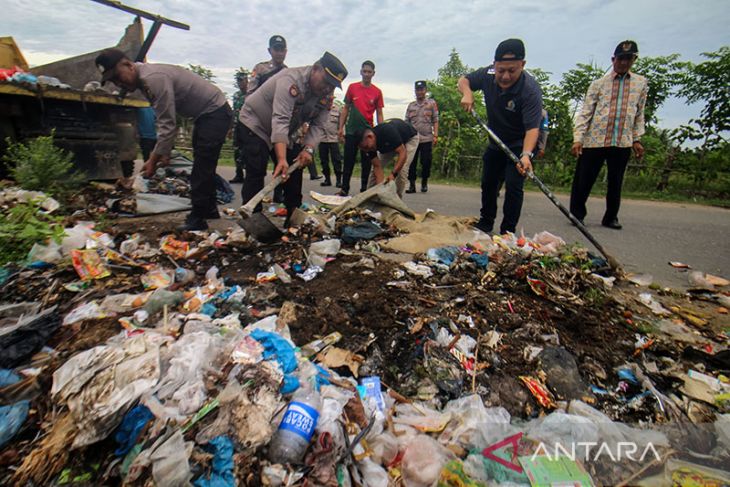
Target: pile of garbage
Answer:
[[366, 347]]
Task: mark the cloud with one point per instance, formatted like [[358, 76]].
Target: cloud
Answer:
[[407, 39]]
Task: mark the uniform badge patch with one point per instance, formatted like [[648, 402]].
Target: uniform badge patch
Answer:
[[294, 91]]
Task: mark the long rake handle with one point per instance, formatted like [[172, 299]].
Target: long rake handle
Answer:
[[546, 191]]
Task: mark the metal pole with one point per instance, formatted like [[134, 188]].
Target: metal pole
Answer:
[[609, 258]]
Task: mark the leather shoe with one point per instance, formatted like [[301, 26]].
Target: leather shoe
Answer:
[[314, 178], [236, 180], [193, 223], [613, 224], [341, 193], [326, 182], [411, 190], [424, 188]]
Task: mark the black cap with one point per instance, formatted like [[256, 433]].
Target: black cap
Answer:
[[420, 85], [514, 49], [334, 69], [277, 41], [626, 47], [107, 61]]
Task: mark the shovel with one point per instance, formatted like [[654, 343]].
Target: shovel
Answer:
[[256, 224], [610, 259]]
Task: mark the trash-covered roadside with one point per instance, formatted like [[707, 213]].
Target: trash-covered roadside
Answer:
[[331, 358]]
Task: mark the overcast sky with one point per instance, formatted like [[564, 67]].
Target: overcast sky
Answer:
[[407, 40]]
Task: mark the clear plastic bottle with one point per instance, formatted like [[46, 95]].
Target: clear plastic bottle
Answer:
[[291, 440]]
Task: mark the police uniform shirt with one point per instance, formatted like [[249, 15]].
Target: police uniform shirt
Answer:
[[391, 134], [174, 90], [510, 112], [262, 72], [423, 114], [332, 126], [278, 109]]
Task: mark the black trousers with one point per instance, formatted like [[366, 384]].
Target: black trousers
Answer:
[[330, 151], [147, 146], [209, 133], [424, 154], [586, 171], [497, 167], [237, 152], [257, 154], [351, 151]]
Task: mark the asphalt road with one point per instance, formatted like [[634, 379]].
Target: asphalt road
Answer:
[[653, 233]]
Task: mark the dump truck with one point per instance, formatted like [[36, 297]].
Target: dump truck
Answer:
[[97, 125]]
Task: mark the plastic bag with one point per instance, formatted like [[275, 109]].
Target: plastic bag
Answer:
[[76, 237], [319, 251], [423, 460], [50, 253], [472, 425], [86, 311], [12, 416]]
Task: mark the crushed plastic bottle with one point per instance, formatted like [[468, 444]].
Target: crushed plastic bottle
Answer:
[[291, 440]]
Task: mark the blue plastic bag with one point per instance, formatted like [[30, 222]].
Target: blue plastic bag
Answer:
[[133, 423], [222, 474], [13, 416]]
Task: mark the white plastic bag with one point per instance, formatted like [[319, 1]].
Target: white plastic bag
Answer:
[[319, 251]]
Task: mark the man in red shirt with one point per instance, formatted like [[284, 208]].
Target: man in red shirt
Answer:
[[362, 100]]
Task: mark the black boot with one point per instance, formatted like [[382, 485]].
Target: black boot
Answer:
[[411, 187], [338, 182], [326, 182], [424, 185], [193, 223]]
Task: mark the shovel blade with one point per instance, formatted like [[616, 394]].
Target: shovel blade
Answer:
[[261, 228]]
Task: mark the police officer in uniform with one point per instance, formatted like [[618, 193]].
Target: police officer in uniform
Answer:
[[174, 90], [423, 114], [262, 72], [266, 69], [272, 117]]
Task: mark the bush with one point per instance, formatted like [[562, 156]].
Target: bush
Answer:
[[23, 226], [38, 165]]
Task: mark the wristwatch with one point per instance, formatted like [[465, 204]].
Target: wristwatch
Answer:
[[309, 150], [528, 154]]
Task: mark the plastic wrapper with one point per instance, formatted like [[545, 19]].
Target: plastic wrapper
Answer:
[[158, 278], [89, 265], [177, 249]]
